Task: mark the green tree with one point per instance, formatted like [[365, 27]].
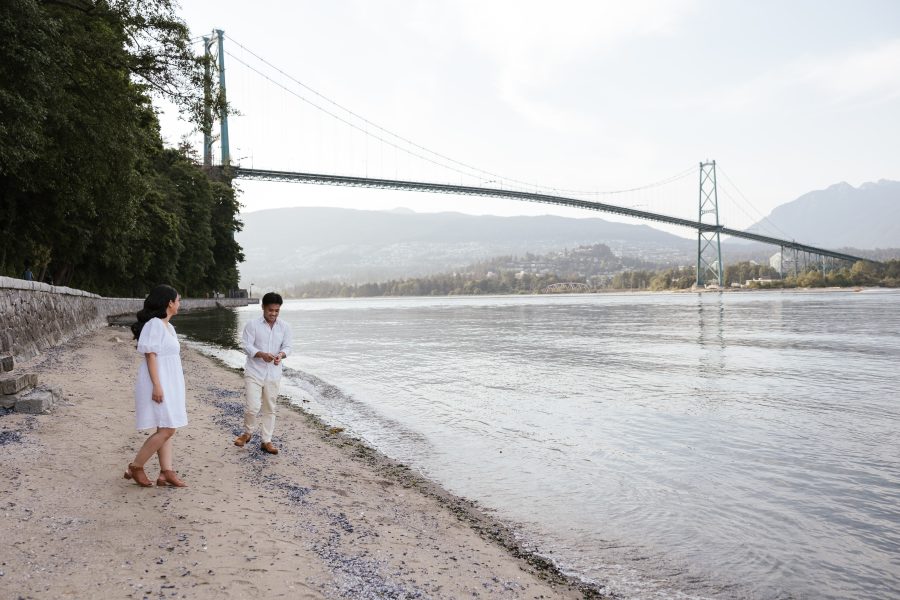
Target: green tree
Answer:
[[863, 273], [226, 251], [86, 189]]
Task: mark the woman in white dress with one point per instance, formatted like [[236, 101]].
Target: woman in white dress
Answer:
[[159, 391]]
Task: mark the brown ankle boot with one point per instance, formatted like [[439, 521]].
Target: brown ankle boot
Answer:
[[169, 477], [137, 473], [242, 439], [269, 447]]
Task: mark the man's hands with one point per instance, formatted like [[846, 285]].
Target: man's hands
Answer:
[[269, 358]]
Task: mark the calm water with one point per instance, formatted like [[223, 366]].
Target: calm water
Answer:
[[666, 446]]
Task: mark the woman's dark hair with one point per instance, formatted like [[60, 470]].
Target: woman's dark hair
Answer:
[[155, 305], [272, 298]]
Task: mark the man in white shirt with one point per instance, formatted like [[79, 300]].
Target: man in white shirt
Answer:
[[267, 341]]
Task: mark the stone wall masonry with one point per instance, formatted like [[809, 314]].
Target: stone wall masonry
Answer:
[[35, 316]]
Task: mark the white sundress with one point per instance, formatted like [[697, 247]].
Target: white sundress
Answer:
[[157, 337]]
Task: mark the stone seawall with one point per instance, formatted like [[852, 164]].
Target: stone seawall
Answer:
[[35, 316]]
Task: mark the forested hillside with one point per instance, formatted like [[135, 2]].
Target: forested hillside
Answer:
[[290, 246], [89, 196], [594, 268]]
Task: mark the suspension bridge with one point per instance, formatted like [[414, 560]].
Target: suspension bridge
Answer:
[[710, 268]]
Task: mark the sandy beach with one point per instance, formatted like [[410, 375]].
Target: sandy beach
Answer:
[[326, 518]]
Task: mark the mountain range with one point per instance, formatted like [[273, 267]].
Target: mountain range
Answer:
[[293, 245], [840, 216], [288, 246]]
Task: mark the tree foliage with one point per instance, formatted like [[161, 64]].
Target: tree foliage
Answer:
[[747, 271], [477, 281], [861, 273], [88, 194]]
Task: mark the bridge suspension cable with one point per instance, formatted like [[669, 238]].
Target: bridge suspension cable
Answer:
[[347, 122], [760, 218], [522, 190], [473, 171]]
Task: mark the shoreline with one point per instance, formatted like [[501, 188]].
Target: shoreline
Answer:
[[619, 292], [468, 511], [329, 517]]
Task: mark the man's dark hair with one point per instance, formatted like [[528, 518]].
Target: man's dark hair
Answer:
[[272, 298]]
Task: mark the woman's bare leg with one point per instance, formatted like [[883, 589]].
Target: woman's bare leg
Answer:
[[165, 454], [153, 444]]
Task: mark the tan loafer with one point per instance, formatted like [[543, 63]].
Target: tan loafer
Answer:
[[242, 439], [268, 447]]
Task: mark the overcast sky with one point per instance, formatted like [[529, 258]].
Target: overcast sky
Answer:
[[787, 97]]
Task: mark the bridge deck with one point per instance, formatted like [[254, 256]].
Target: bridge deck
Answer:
[[442, 188]]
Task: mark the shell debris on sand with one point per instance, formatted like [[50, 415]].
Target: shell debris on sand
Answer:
[[327, 518]]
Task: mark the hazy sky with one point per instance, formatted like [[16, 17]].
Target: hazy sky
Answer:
[[787, 97]]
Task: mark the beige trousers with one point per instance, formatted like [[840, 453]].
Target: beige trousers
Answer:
[[261, 403]]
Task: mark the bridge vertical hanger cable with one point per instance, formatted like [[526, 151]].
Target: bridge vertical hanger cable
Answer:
[[408, 152], [527, 194], [762, 217], [734, 204], [476, 172]]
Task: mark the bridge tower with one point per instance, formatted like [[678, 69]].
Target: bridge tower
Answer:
[[208, 42], [709, 249], [207, 104]]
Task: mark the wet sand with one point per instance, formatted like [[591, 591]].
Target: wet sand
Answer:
[[326, 518]]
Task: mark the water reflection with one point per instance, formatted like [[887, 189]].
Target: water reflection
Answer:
[[711, 365], [217, 326], [710, 320]]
